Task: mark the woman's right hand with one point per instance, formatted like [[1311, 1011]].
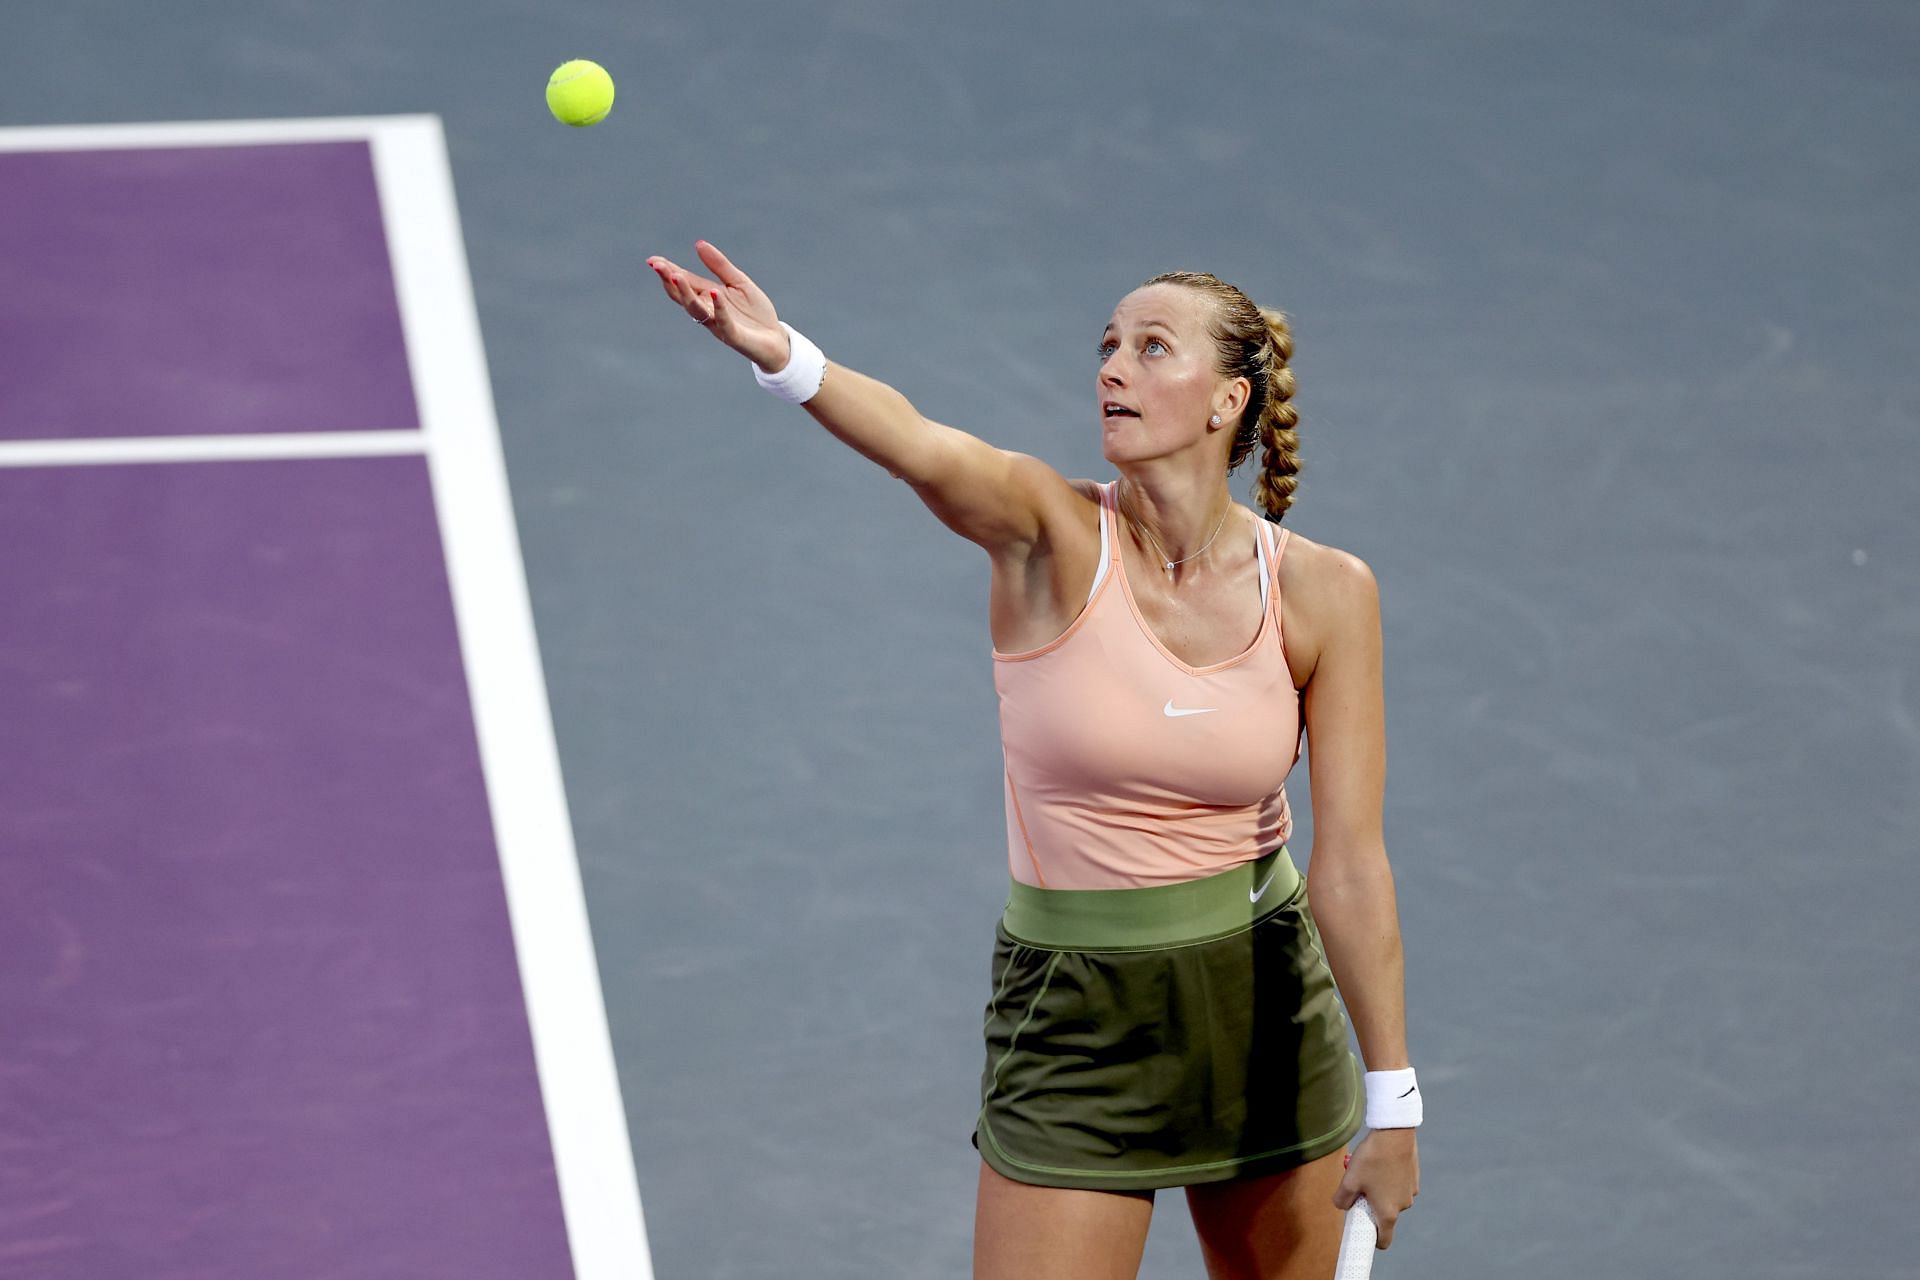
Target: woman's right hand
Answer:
[[732, 308]]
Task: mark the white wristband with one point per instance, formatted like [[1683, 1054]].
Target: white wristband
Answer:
[[1393, 1100], [799, 379]]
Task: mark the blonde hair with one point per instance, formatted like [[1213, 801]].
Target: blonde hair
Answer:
[[1254, 343]]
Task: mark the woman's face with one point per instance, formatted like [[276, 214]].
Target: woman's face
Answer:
[[1157, 385]]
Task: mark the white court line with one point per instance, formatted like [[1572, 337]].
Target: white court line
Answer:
[[201, 133], [532, 828], [571, 1043], [238, 448]]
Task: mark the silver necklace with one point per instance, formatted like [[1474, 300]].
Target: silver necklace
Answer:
[[1163, 551]]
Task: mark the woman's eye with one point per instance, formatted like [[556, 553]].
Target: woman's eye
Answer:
[[1104, 350], [1155, 342]]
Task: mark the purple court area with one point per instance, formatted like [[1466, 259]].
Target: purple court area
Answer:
[[262, 1010], [197, 291]]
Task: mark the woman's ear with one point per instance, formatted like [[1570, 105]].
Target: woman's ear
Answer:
[[1232, 399]]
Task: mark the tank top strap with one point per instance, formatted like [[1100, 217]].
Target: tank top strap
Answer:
[[1109, 515], [1109, 545], [1263, 540], [1279, 534]]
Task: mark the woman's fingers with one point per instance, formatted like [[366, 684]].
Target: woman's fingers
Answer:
[[682, 286], [735, 311], [1384, 1220], [721, 266], [669, 279], [700, 298]]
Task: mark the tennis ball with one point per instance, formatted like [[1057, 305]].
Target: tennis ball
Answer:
[[580, 93]]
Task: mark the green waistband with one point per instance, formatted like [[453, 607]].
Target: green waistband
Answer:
[[1153, 916]]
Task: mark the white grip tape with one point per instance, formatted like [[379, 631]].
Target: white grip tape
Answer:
[[1357, 1240]]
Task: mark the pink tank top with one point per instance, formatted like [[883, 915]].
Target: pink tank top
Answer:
[[1127, 767]]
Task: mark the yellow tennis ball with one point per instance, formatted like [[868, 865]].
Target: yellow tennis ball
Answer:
[[580, 93]]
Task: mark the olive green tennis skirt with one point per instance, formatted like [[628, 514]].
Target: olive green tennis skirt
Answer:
[[1163, 1036]]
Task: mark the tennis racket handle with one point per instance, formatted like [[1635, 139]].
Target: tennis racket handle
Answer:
[[1356, 1243]]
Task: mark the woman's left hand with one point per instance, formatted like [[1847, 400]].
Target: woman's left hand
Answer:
[[1385, 1168]]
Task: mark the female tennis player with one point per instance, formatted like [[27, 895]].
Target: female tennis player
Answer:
[[1163, 1012]]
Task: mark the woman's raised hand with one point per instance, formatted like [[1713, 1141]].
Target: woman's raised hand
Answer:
[[731, 307]]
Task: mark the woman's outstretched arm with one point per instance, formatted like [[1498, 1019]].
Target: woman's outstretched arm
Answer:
[[994, 497]]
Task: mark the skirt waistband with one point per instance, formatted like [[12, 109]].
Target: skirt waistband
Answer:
[[1153, 915]]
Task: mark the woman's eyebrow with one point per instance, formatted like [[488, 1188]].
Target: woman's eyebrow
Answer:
[[1144, 324]]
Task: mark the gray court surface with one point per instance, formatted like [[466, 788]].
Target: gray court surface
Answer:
[[1606, 326]]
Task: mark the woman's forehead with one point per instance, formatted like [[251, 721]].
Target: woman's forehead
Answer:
[[1172, 305]]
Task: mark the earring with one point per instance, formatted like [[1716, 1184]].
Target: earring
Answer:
[[1216, 419]]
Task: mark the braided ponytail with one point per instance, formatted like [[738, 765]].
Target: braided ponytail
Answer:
[[1255, 343], [1279, 422]]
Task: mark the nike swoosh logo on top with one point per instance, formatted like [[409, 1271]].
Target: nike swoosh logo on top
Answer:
[[1172, 710], [1253, 895]]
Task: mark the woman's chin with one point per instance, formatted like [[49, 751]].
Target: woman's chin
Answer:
[[1120, 446]]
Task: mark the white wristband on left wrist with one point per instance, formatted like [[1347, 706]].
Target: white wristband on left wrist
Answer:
[[800, 377], [1393, 1100]]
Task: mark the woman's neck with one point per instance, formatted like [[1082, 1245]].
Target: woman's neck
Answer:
[[1173, 525]]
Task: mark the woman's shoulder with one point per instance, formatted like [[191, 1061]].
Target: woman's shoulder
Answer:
[[1326, 592], [1321, 566]]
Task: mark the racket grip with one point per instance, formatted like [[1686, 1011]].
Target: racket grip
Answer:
[[1356, 1243]]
